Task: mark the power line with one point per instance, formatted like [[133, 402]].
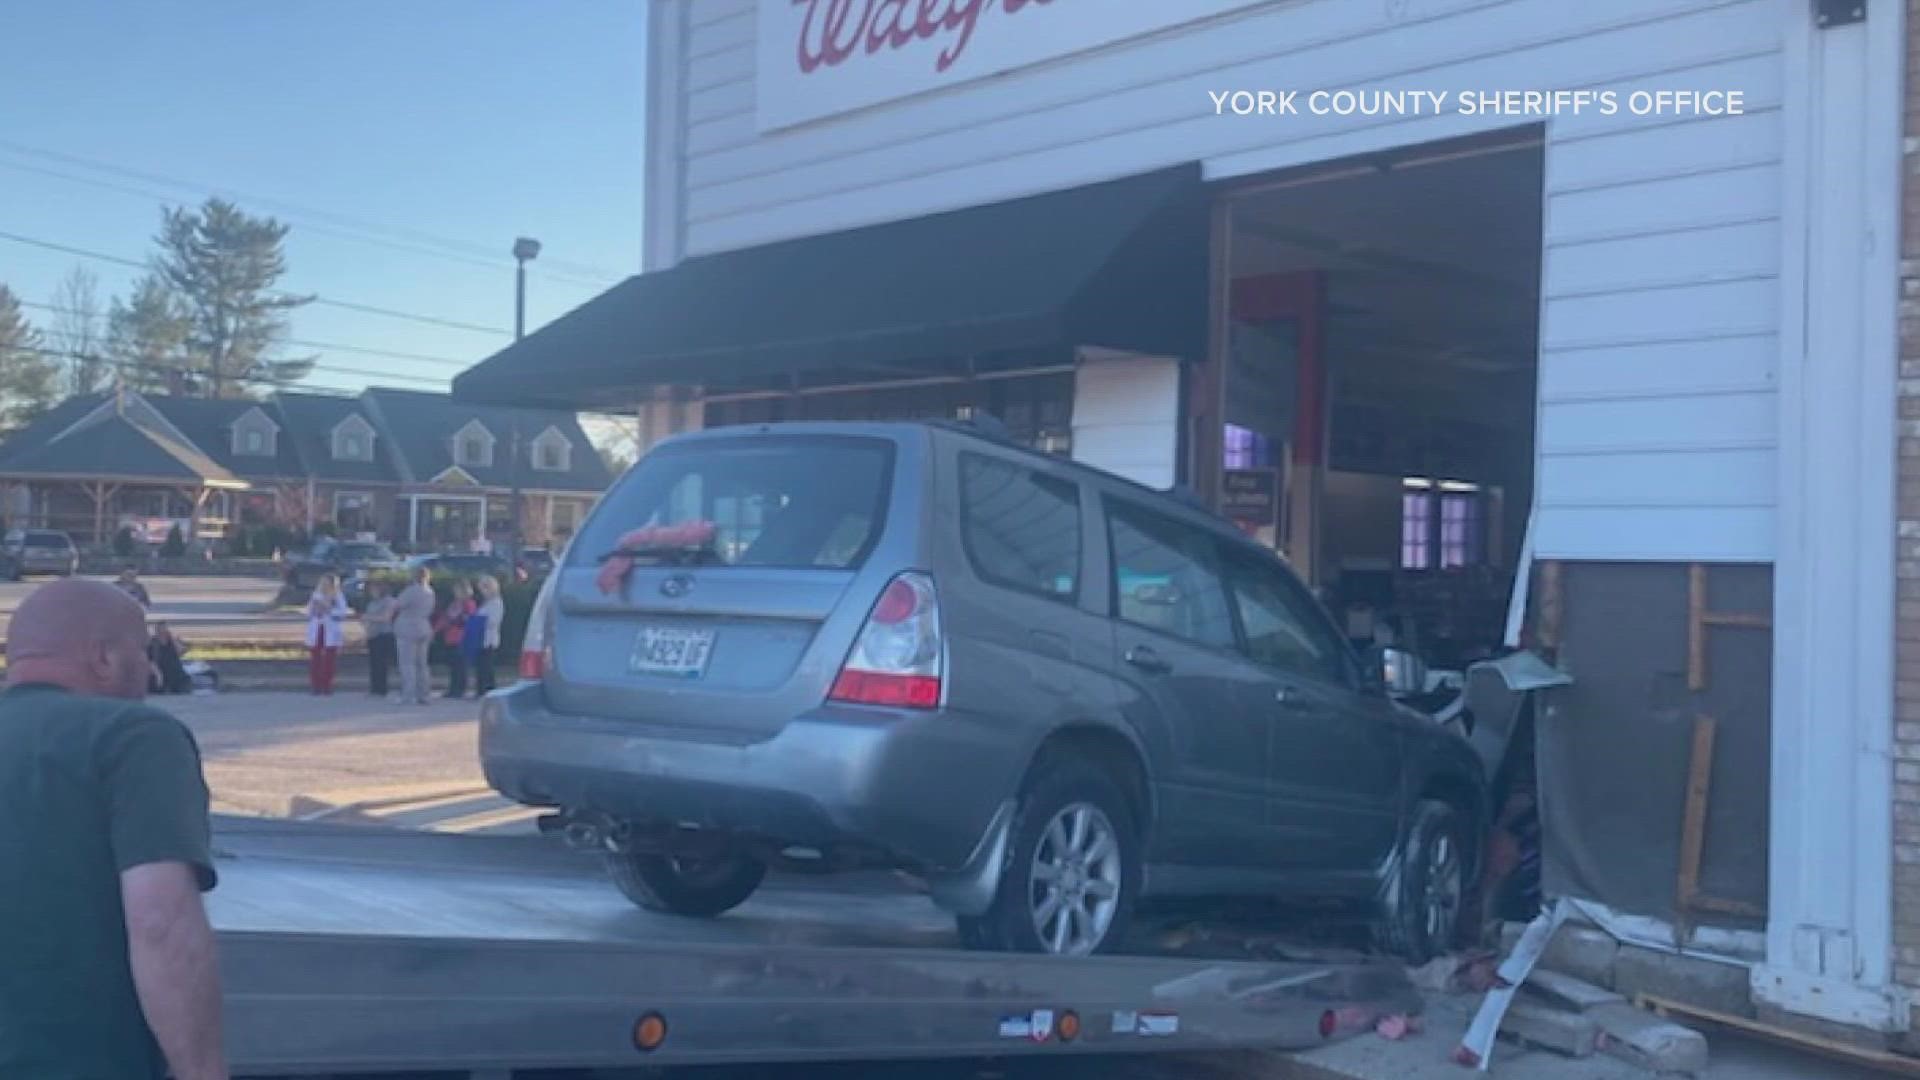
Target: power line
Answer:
[[182, 369], [336, 346], [323, 301], [354, 228], [489, 264]]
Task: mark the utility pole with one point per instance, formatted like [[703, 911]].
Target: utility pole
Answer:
[[525, 250]]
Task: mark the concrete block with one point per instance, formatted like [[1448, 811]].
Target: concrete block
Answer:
[[1538, 1023], [1723, 988], [1583, 952], [1643, 1039], [1566, 992]]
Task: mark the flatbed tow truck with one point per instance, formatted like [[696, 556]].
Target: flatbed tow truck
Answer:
[[352, 950]]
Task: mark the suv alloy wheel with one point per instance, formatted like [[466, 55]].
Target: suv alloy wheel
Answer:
[[1073, 867], [1424, 914]]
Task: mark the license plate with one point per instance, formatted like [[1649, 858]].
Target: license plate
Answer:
[[665, 651]]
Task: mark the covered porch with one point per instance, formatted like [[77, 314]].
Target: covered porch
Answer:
[[93, 509]]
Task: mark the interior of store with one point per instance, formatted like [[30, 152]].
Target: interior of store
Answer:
[[1382, 349]]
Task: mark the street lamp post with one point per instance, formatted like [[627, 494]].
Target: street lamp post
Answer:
[[525, 250]]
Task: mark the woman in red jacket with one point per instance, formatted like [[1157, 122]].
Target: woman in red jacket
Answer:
[[452, 628]]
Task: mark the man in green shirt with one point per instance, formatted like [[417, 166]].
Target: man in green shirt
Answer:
[[107, 966]]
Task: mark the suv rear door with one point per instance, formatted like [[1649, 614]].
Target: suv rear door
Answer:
[[1335, 760], [1184, 683], [731, 642], [1025, 648]]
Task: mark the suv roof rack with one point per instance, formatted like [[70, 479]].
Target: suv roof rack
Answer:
[[977, 421]]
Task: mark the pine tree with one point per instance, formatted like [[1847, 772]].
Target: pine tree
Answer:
[[223, 264], [29, 378], [147, 338]]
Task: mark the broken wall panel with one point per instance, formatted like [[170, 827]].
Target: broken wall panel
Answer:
[[1614, 748]]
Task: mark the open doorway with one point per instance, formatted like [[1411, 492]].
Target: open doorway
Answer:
[[1380, 347]]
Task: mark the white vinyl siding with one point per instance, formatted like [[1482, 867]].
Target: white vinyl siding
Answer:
[[1126, 418], [1659, 321]]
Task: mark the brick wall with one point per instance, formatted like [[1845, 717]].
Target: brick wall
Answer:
[[1906, 690]]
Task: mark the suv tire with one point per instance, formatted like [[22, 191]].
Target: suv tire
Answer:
[[703, 889], [1424, 915], [1101, 875]]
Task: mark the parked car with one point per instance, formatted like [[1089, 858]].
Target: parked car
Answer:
[[353, 560], [39, 551], [1046, 691], [465, 564], [537, 562]]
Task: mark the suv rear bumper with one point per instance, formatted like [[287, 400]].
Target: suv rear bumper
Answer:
[[920, 788]]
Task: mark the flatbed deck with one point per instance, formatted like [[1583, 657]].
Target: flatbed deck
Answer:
[[350, 950]]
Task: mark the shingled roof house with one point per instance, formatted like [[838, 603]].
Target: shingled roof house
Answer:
[[405, 466]]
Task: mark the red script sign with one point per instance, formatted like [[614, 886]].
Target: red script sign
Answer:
[[834, 30]]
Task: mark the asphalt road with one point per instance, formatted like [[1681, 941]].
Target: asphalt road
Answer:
[[226, 610], [291, 754]]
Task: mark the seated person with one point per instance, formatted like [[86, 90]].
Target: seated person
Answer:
[[165, 655]]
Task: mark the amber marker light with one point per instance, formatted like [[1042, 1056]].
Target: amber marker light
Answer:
[[650, 1031]]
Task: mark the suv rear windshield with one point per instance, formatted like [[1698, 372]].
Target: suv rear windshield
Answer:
[[48, 540], [792, 501]]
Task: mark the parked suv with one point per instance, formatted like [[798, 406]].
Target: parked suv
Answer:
[[39, 551], [1045, 690], [352, 561]]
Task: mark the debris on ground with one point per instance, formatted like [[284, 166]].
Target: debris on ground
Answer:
[[1477, 1045], [1396, 1027], [1461, 973], [1437, 975]]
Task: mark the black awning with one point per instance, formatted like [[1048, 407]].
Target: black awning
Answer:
[[1120, 265]]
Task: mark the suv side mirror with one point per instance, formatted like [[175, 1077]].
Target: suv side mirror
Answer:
[[1401, 672]]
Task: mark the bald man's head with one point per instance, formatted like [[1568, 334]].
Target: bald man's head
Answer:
[[82, 635]]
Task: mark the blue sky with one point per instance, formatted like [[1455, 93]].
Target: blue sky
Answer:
[[448, 125]]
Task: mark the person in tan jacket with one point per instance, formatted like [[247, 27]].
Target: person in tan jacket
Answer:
[[413, 636]]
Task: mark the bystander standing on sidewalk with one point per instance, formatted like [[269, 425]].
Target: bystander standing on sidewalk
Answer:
[[452, 625], [413, 637], [326, 632], [483, 641], [383, 652]]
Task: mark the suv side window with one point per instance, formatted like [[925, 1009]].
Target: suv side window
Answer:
[[1166, 576], [1021, 529], [1282, 629]]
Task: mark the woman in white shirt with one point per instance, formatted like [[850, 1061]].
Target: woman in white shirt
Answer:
[[493, 610], [326, 631]]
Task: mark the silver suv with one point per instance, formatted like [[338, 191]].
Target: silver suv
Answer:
[[39, 551], [1045, 690]]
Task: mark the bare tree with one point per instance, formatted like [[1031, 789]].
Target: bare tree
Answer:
[[78, 328]]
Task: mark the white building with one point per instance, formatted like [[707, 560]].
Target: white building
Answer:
[[1650, 347]]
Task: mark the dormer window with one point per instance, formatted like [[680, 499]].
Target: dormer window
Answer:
[[473, 446], [254, 435], [353, 440], [552, 452]]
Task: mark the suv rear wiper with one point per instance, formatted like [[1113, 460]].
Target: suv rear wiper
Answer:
[[678, 554]]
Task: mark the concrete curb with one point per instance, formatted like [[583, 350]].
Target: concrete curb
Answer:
[[313, 808]]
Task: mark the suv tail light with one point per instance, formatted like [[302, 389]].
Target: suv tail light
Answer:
[[899, 659], [536, 649]]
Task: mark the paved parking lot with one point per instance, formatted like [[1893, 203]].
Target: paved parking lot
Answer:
[[290, 754], [220, 609]]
